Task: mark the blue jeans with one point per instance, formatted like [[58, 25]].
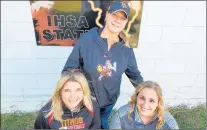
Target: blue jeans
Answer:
[[104, 114]]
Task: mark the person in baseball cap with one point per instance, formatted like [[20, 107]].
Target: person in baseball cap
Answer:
[[119, 6], [104, 57], [116, 20]]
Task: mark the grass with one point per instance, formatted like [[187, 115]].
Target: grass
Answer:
[[190, 118], [186, 117], [18, 120]]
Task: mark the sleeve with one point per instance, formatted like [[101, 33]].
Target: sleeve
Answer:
[[40, 122], [170, 121], [132, 70], [74, 60], [115, 122], [96, 123]]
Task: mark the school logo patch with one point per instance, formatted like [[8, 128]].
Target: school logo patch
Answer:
[[123, 4], [74, 123], [106, 70]]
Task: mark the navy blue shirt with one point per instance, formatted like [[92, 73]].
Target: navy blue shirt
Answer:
[[84, 119], [102, 67]]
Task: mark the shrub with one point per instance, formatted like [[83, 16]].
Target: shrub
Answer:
[[18, 119]]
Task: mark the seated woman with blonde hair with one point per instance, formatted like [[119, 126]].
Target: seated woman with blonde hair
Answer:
[[144, 111], [71, 106]]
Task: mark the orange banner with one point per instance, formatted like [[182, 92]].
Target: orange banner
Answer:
[[60, 23]]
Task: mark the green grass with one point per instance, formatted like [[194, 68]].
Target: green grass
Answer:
[[186, 117], [190, 118], [18, 120]]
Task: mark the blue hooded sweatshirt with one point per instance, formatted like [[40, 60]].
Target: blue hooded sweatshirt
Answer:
[[102, 67]]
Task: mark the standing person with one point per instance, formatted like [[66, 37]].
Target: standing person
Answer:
[[104, 56], [145, 110], [71, 106]]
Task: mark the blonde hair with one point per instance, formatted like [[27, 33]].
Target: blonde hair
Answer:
[[68, 76], [125, 39], [122, 34], [160, 108]]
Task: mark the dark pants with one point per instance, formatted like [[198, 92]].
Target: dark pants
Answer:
[[104, 114]]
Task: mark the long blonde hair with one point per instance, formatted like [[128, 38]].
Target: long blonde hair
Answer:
[[74, 76], [160, 108]]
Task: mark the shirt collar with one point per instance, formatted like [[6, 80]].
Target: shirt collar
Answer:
[[137, 116], [75, 110]]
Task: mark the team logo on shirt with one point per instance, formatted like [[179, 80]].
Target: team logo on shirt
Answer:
[[74, 123], [123, 4], [106, 70]]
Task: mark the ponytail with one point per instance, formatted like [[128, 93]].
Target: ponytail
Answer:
[[125, 38]]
